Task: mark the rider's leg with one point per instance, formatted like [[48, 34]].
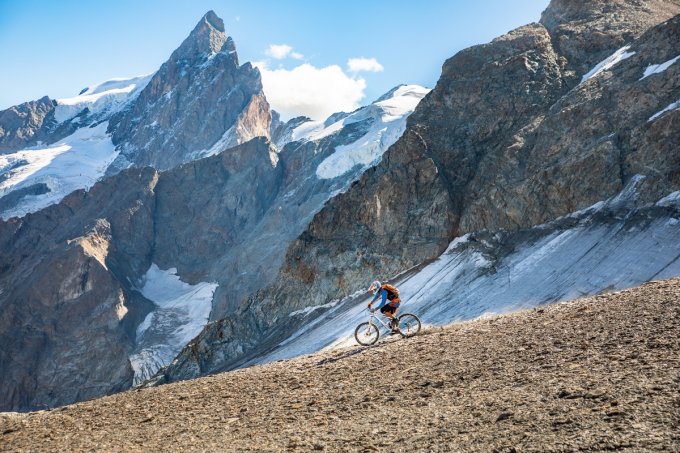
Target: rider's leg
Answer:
[[389, 311]]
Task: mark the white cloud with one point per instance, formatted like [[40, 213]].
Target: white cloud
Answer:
[[278, 51], [297, 55], [311, 91], [364, 64]]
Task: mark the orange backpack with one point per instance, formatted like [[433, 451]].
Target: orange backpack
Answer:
[[392, 291]]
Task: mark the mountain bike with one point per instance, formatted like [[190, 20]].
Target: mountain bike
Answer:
[[367, 333]]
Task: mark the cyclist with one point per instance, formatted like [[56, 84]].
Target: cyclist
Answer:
[[389, 301]]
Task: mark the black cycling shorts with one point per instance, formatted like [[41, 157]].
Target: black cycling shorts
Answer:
[[387, 308]]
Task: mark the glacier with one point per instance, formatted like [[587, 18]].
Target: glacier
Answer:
[[389, 116], [104, 98], [75, 162], [182, 310]]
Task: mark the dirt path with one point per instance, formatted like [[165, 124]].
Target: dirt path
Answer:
[[597, 374]]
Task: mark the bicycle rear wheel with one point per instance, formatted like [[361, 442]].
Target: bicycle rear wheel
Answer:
[[366, 334], [409, 325]]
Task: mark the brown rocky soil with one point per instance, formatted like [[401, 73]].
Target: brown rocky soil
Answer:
[[596, 374]]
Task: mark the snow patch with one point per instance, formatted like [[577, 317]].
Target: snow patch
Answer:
[[307, 310], [659, 68], [181, 313], [670, 107], [608, 63], [228, 139], [76, 162], [390, 122], [670, 200]]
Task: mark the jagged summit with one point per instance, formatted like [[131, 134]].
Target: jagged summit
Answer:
[[207, 37], [200, 101], [213, 20]]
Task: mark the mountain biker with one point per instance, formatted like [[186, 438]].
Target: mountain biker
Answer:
[[389, 303]]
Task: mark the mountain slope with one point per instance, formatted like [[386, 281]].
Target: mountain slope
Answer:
[[595, 374]]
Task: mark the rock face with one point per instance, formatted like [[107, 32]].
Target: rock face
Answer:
[[25, 124], [68, 312], [70, 273], [509, 138], [586, 32], [199, 102]]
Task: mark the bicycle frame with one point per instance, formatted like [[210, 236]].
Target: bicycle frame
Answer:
[[373, 316]]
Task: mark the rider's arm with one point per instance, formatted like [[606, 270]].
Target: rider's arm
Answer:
[[377, 295], [381, 294]]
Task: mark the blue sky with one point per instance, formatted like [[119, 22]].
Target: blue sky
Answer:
[[56, 48]]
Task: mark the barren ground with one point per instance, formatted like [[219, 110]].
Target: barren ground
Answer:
[[596, 374]]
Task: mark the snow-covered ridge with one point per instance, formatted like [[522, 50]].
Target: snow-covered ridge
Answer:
[[608, 63], [182, 311], [104, 98], [389, 115], [48, 173], [76, 162]]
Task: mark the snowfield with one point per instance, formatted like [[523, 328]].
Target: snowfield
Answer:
[[390, 122], [105, 98], [76, 162], [182, 311], [388, 115], [49, 173]]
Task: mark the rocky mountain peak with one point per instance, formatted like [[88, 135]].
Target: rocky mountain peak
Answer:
[[213, 20], [208, 37], [200, 102], [23, 124]]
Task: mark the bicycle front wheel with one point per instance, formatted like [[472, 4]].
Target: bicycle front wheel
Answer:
[[366, 334], [409, 325]]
